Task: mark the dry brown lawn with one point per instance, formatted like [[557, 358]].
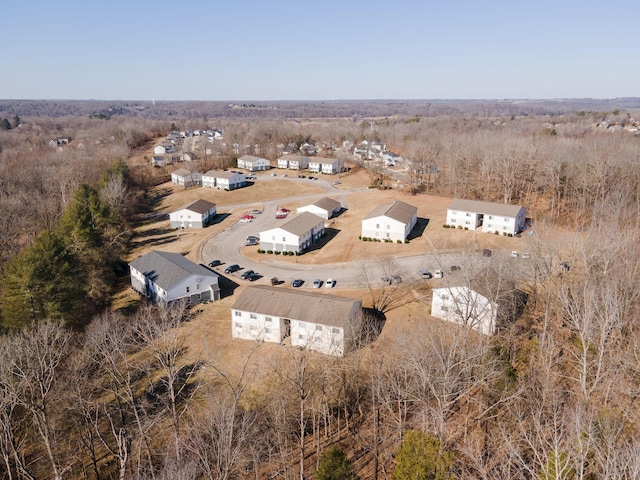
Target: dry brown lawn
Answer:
[[209, 332]]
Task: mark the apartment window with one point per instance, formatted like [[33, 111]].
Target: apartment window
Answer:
[[467, 222], [301, 324], [300, 336], [267, 319], [468, 214], [284, 239], [273, 238], [253, 316], [388, 235], [377, 225], [506, 219], [377, 234], [388, 227], [319, 328], [335, 330], [444, 297], [444, 308], [237, 313], [490, 217], [453, 220], [238, 325], [253, 327], [453, 212], [267, 331]]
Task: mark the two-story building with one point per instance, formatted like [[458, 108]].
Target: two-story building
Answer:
[[196, 214], [296, 235], [167, 277], [492, 217], [391, 221], [325, 208], [329, 166], [253, 164], [293, 162], [325, 323], [223, 180]]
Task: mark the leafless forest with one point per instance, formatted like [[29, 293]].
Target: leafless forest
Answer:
[[119, 394]]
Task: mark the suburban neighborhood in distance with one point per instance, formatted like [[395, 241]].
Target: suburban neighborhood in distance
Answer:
[[258, 290]]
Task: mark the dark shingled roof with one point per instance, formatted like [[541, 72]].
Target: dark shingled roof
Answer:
[[298, 305], [326, 203], [397, 210], [477, 206], [199, 206], [165, 269]]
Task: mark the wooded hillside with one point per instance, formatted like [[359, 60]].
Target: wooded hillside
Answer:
[[89, 392]]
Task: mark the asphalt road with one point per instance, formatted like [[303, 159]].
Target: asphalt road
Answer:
[[225, 246]]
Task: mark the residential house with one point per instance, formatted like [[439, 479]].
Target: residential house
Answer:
[[196, 214], [188, 157], [485, 304], [392, 221], [159, 161], [316, 321], [223, 180], [253, 164], [293, 162], [186, 178], [296, 235], [166, 277], [324, 208], [390, 159], [492, 217], [330, 166]]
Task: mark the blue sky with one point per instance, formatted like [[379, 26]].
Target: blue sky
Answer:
[[319, 50]]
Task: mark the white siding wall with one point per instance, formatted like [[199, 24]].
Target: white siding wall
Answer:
[[256, 326], [384, 227], [315, 210], [463, 306], [322, 338]]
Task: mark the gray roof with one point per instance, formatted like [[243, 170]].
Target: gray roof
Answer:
[[199, 206], [251, 158], [183, 172], [166, 269], [485, 207], [400, 211], [298, 305], [326, 203], [221, 174], [302, 223]]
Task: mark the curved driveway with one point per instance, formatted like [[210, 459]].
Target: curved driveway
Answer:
[[225, 246]]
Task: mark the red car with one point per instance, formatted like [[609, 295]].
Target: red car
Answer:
[[248, 217], [281, 215], [284, 210]]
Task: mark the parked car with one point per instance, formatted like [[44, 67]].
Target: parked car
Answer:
[[426, 274], [253, 238], [317, 283], [281, 215], [438, 274], [514, 254], [246, 220], [251, 243], [254, 276], [526, 255], [297, 283], [232, 268], [250, 217], [330, 283], [274, 174], [254, 212], [302, 176], [215, 263], [246, 274], [396, 279], [455, 268], [285, 175], [284, 210]]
